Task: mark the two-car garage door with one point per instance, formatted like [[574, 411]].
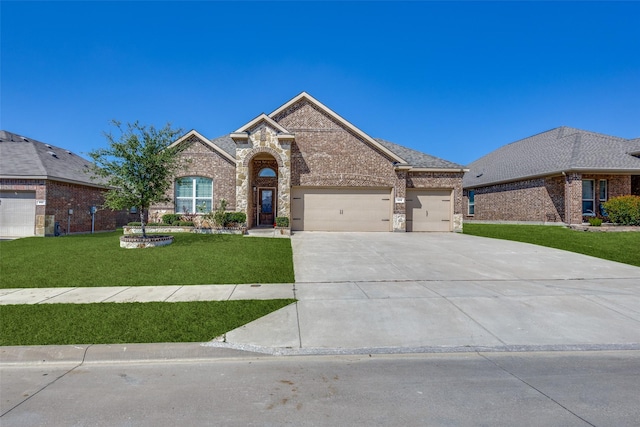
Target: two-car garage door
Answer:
[[340, 209], [365, 209]]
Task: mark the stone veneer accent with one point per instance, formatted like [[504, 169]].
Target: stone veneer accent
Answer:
[[262, 139]]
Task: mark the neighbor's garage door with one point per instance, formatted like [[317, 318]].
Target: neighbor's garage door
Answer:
[[333, 209], [429, 210], [17, 213]]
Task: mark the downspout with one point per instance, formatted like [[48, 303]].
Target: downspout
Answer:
[[567, 203]]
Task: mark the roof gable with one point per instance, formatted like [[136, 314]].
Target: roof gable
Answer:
[[242, 134], [305, 97], [218, 147]]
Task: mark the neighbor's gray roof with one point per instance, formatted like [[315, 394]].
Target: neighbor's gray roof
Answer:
[[412, 157], [25, 158], [563, 149]]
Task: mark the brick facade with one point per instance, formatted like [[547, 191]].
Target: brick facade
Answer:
[[307, 146], [203, 161], [55, 198], [541, 200]]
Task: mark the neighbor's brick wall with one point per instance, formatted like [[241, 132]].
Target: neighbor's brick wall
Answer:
[[204, 162], [59, 197], [62, 196], [539, 200], [549, 199]]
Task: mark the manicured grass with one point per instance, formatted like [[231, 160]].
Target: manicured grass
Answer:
[[615, 246], [98, 260], [111, 323]]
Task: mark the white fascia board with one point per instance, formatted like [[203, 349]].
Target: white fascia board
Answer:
[[340, 119], [240, 136], [203, 139], [286, 137], [438, 170]]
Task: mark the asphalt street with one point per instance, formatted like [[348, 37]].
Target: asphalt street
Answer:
[[470, 389]]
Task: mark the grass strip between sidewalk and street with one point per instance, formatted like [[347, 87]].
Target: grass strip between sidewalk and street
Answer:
[[118, 323], [92, 260], [622, 247]]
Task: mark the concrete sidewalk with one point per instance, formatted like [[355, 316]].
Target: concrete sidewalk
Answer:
[[80, 295]]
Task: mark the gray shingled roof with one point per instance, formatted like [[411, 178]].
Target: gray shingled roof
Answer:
[[563, 149], [26, 158], [226, 143], [418, 159]]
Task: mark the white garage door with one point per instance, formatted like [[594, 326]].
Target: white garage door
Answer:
[[429, 210], [17, 213], [337, 209]]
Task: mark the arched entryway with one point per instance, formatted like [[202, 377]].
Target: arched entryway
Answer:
[[263, 200]]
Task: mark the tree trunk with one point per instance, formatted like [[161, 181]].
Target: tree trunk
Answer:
[[144, 231]]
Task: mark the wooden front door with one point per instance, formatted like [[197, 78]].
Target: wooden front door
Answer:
[[266, 207]]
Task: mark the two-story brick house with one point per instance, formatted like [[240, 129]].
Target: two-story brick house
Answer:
[[305, 162]]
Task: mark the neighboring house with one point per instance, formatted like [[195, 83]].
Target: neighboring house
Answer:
[[305, 162], [562, 175], [42, 185]]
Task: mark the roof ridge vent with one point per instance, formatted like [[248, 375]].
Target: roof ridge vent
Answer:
[[25, 139], [48, 146], [52, 154]]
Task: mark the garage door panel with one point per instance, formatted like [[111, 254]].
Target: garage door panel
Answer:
[[429, 210], [326, 209], [17, 214]]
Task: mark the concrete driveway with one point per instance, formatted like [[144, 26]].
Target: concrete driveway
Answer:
[[444, 291]]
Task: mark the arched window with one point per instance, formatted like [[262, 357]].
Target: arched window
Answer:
[[267, 172], [194, 194]]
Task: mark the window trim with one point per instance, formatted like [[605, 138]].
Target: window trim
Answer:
[[194, 191], [471, 203], [606, 190], [592, 199], [266, 170]]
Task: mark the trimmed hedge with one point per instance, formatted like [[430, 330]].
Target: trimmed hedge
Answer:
[[171, 219], [623, 210]]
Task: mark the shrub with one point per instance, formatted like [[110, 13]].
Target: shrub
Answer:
[[624, 210], [235, 218], [596, 222], [282, 221], [184, 223], [170, 218], [135, 224]]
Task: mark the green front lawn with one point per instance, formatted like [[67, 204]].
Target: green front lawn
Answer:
[[98, 260], [615, 246], [113, 323]]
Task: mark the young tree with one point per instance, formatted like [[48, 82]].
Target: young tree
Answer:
[[138, 165]]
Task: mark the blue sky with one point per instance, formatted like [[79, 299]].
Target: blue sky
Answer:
[[452, 79]]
